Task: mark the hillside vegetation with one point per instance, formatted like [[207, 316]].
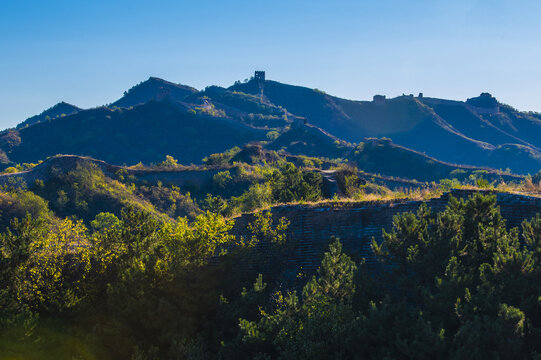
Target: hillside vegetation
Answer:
[[450, 131], [157, 117], [176, 224], [455, 284], [153, 89], [61, 109], [127, 136]]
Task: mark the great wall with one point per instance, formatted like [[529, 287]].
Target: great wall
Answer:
[[311, 225], [357, 223], [188, 177]]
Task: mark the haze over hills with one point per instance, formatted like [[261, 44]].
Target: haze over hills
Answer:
[[157, 118]]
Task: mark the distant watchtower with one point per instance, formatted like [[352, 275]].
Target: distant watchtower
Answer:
[[259, 76], [379, 99]]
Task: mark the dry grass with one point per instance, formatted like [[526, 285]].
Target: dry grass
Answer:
[[420, 194]]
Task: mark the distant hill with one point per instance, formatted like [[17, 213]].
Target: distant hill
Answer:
[[143, 133], [377, 155], [158, 118], [383, 156], [309, 140], [59, 110], [153, 89], [246, 108], [524, 125], [453, 131]]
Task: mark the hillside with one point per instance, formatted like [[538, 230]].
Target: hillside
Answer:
[[158, 118], [527, 125], [472, 121], [83, 187], [153, 89], [433, 126], [245, 108], [144, 133], [59, 110], [309, 140], [384, 157]]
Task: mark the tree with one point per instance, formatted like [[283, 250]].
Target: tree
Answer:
[[170, 162], [214, 204], [470, 276], [291, 184], [315, 326], [105, 221]]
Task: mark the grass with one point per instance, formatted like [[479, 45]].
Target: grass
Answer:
[[420, 194]]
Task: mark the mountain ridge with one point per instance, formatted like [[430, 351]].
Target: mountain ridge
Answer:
[[55, 111], [479, 132], [153, 89]]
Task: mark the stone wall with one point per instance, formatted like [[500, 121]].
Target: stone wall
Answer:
[[357, 223], [190, 179]]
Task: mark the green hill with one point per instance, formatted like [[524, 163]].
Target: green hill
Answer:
[[153, 89], [157, 118], [144, 133], [59, 110], [383, 156], [452, 131]]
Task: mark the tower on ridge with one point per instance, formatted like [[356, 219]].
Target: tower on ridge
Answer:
[[259, 76]]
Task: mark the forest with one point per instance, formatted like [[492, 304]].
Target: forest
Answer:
[[136, 283]]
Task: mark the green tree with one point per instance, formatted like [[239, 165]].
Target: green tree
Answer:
[[214, 204], [315, 326], [169, 162], [470, 275], [105, 221], [291, 184]]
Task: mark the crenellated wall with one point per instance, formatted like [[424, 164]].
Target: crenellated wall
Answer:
[[357, 223]]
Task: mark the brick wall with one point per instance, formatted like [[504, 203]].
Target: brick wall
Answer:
[[357, 223]]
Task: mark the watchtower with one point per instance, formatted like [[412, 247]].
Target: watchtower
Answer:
[[259, 76], [379, 99]]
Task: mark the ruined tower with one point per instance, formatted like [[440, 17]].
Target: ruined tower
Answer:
[[259, 76]]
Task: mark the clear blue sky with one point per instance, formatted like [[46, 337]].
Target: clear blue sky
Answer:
[[88, 52]]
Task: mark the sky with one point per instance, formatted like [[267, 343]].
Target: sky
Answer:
[[88, 53]]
